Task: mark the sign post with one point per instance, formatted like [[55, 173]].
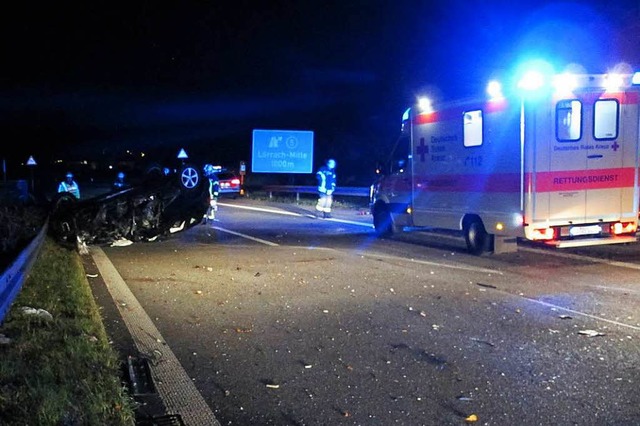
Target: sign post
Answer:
[[31, 163], [243, 171]]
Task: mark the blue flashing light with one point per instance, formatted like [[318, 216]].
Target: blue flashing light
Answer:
[[635, 80], [494, 90], [565, 83], [405, 115], [425, 105], [531, 80]]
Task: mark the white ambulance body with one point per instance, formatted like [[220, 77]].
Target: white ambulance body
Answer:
[[556, 166]]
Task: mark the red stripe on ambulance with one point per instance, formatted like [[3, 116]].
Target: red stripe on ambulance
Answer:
[[575, 180]]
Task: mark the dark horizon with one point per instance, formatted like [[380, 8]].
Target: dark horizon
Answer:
[[97, 79]]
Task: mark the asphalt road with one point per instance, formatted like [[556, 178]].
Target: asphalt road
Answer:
[[284, 319]]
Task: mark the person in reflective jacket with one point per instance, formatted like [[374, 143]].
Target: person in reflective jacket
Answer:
[[326, 177], [69, 185], [214, 192], [119, 184]]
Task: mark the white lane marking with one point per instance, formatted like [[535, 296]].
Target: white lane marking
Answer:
[[248, 237], [621, 289], [426, 262], [175, 387], [350, 222], [581, 257], [532, 250], [260, 209], [286, 213], [584, 314], [558, 254]]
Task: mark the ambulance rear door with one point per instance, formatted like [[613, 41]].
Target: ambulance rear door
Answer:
[[585, 161], [611, 142]]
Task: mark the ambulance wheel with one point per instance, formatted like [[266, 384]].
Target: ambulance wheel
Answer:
[[383, 222], [477, 238]]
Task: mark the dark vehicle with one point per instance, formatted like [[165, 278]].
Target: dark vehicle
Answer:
[[229, 183], [164, 202]]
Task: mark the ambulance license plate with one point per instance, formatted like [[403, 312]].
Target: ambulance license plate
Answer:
[[576, 231]]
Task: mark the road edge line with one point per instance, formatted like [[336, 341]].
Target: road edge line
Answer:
[[175, 387]]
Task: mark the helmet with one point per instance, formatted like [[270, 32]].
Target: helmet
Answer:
[[120, 175], [69, 175], [331, 163]]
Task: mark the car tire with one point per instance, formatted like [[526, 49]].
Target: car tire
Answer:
[[190, 178], [63, 200], [154, 171]]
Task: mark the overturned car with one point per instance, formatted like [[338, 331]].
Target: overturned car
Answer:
[[164, 202]]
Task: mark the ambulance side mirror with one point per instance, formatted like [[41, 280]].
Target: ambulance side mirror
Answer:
[[399, 166]]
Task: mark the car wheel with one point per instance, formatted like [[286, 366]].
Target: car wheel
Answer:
[[63, 201], [63, 219], [189, 177], [154, 171]]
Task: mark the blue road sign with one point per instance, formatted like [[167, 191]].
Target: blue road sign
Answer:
[[282, 151]]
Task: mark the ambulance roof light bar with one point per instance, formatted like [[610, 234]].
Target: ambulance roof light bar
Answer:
[[425, 105], [613, 82], [565, 83], [494, 90]]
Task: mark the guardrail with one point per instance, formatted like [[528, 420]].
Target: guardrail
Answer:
[[350, 191], [14, 276]]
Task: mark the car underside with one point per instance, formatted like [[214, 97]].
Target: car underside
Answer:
[[161, 204]]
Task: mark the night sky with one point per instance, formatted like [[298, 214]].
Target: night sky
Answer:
[[96, 78]]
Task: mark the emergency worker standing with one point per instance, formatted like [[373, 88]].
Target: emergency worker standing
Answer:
[[326, 176], [69, 185], [119, 184], [214, 191]]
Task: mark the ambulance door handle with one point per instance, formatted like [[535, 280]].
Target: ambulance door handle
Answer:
[[595, 156]]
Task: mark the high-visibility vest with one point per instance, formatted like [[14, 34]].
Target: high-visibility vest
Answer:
[[69, 187], [326, 179]]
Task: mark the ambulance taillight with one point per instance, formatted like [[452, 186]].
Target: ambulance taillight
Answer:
[[544, 234], [620, 228]]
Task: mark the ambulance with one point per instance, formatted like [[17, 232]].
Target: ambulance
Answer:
[[553, 161]]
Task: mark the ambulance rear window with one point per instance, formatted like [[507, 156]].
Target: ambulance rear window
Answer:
[[605, 119], [568, 120]]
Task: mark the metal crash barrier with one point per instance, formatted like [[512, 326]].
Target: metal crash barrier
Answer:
[[14, 276], [349, 191]]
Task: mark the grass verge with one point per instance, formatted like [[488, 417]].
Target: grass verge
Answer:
[[59, 369]]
